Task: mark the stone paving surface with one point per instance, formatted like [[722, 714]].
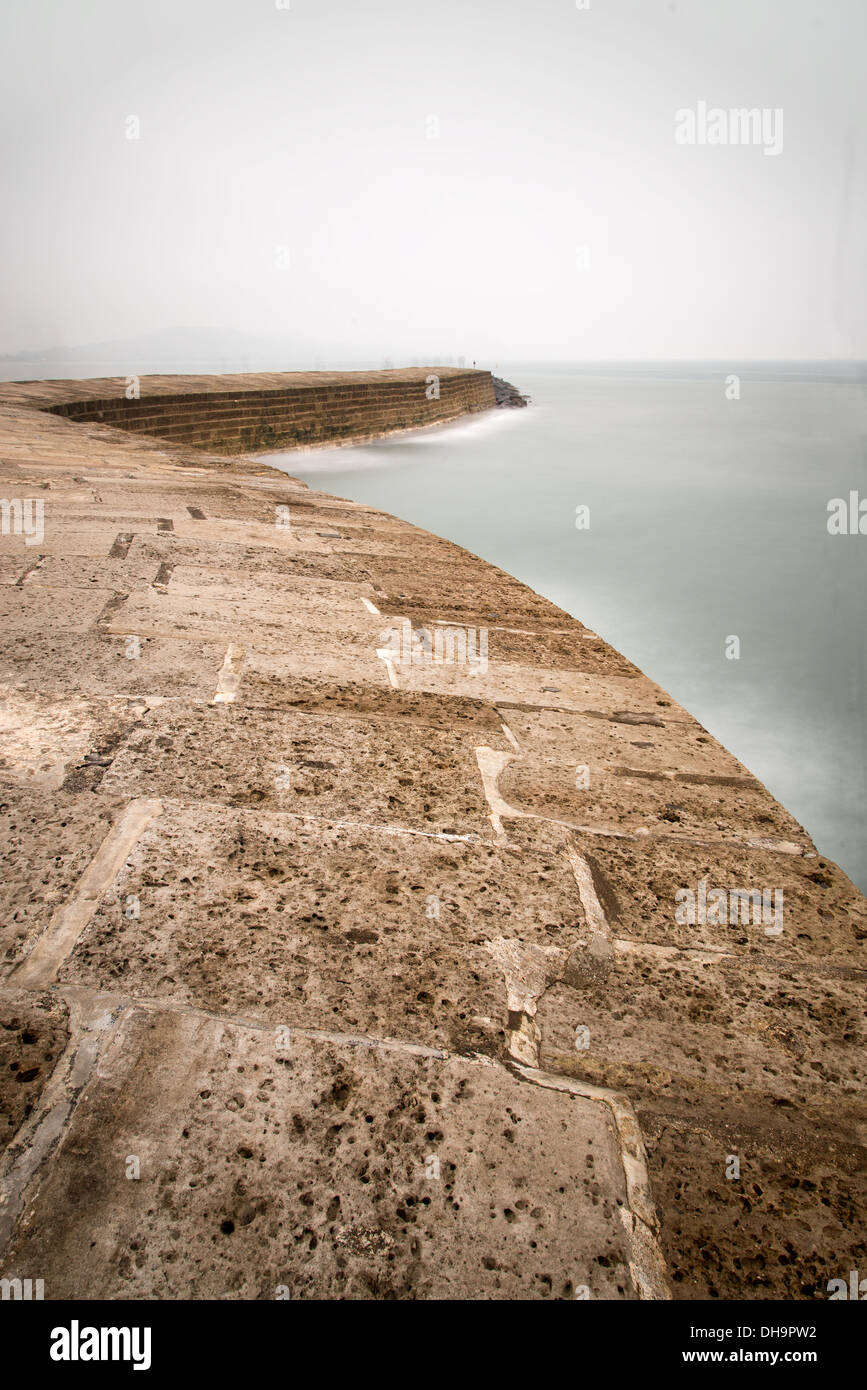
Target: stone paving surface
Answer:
[[329, 973]]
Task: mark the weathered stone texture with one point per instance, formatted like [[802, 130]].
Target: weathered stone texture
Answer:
[[271, 410], [325, 973]]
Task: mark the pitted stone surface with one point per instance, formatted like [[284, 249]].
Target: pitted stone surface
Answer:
[[33, 1034], [334, 766], [341, 926], [282, 909], [272, 1162]]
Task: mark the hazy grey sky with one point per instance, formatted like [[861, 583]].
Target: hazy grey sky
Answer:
[[309, 128]]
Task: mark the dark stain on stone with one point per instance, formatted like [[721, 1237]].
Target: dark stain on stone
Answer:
[[625, 716], [604, 889], [111, 607], [33, 565], [707, 779], [120, 548]]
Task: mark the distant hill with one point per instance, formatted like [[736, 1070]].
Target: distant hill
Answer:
[[177, 349]]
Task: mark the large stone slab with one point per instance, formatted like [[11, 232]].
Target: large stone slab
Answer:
[[613, 797], [747, 1027], [206, 1159], [334, 766], [30, 609], [823, 919], [333, 926], [507, 684], [791, 1220], [49, 838], [110, 664]]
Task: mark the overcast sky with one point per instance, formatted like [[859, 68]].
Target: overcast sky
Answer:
[[551, 214]]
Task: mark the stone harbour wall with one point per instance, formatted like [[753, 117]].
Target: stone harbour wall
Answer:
[[333, 968], [282, 410]]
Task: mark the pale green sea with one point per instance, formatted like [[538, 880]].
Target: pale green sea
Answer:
[[708, 518]]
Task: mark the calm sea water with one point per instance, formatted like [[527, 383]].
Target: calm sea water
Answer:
[[708, 519]]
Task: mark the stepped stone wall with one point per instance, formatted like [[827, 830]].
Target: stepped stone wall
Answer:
[[281, 410], [332, 969]]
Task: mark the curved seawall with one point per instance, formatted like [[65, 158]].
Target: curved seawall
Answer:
[[370, 927], [271, 409]]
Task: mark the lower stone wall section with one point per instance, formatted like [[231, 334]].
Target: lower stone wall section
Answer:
[[248, 416]]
